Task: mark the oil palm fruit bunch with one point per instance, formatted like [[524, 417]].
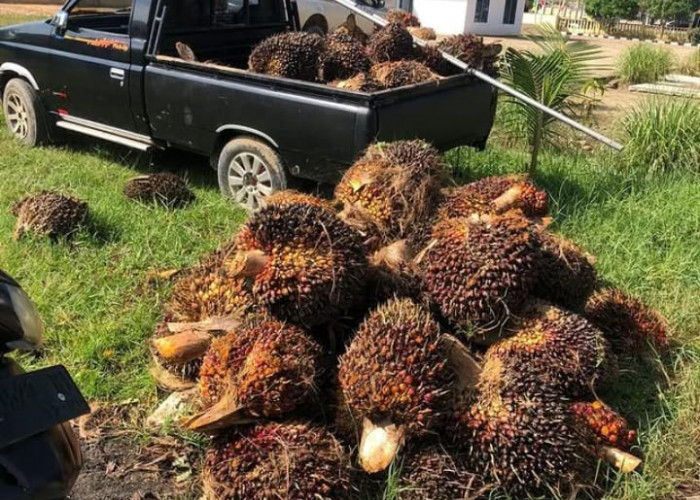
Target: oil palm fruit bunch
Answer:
[[431, 57], [305, 264], [291, 197], [268, 369], [294, 55], [553, 350], [293, 461], [435, 473], [361, 82], [524, 194], [397, 74], [479, 270], [610, 428], [403, 18], [390, 44], [566, 275], [391, 190], [164, 188], [208, 291], [528, 444], [629, 325], [394, 380], [49, 213], [343, 58], [350, 27], [471, 50], [422, 33]]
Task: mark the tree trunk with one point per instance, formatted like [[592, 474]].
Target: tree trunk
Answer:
[[536, 144]]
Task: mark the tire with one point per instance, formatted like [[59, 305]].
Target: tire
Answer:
[[249, 170], [24, 113]]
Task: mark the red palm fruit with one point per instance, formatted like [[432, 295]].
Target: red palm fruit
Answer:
[[479, 270], [293, 461], [629, 325], [394, 379], [610, 428], [304, 263], [566, 275], [553, 350]]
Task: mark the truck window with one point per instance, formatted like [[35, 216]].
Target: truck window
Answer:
[[111, 16]]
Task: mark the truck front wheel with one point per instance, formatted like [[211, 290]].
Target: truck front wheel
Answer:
[[249, 170], [24, 113]]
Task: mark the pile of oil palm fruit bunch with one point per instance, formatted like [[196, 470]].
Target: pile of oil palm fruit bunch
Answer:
[[442, 329], [350, 59]]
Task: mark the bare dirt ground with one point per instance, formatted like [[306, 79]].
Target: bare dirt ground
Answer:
[[28, 9], [610, 49]]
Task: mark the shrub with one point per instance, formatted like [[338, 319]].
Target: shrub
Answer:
[[644, 63], [664, 135], [694, 35], [690, 65]]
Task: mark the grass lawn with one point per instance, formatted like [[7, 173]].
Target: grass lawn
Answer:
[[99, 309]]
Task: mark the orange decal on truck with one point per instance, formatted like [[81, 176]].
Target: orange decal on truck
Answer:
[[103, 43]]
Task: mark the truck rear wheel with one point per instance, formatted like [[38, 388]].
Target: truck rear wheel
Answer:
[[249, 170], [24, 113]]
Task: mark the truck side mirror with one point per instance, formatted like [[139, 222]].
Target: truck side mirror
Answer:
[[60, 21]]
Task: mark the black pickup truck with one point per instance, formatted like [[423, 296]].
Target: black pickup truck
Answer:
[[110, 69]]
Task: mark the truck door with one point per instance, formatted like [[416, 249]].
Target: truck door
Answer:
[[89, 62]]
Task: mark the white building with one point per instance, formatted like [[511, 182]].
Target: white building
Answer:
[[479, 17]]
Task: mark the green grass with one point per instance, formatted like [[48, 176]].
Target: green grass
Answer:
[[98, 310], [644, 63], [690, 64], [663, 135]]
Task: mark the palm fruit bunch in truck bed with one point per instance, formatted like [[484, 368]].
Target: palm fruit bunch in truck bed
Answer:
[[49, 213], [288, 55], [475, 342], [342, 58]]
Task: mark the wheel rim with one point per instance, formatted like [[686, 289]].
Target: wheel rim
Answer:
[[17, 116], [249, 180]]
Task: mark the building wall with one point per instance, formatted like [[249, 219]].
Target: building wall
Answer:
[[451, 17]]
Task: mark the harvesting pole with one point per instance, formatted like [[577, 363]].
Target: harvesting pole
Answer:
[[377, 19]]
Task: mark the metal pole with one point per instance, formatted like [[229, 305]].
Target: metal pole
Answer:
[[350, 4]]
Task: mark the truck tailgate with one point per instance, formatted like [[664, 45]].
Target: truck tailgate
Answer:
[[458, 111]]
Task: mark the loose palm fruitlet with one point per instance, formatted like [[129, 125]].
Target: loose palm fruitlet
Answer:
[[610, 428], [566, 275], [166, 189], [268, 369], [397, 74], [471, 50], [343, 58], [394, 379], [305, 264], [294, 55], [629, 325], [553, 350], [527, 444], [479, 270], [49, 213], [434, 473], [390, 44], [272, 461], [208, 291]]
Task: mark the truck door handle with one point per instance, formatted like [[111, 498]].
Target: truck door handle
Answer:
[[116, 73]]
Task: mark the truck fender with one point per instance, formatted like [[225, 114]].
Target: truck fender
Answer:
[[19, 70], [227, 132]]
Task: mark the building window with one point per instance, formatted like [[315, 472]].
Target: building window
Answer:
[[509, 13], [482, 11]]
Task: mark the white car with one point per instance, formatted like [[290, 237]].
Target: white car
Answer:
[[323, 16]]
